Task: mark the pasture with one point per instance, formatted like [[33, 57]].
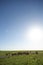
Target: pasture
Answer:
[[21, 57]]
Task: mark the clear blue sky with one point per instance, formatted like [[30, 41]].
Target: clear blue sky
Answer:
[[16, 16]]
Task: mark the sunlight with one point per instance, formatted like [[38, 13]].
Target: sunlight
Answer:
[[34, 36]]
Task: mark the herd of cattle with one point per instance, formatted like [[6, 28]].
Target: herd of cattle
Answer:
[[21, 53]]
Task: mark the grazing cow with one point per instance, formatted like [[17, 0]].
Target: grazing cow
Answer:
[[26, 53], [14, 54], [36, 52], [8, 54], [20, 53]]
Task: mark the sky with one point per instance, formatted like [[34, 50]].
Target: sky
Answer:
[[21, 24]]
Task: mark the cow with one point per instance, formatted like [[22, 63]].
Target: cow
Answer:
[[8, 55], [26, 53], [13, 54], [20, 53], [36, 52]]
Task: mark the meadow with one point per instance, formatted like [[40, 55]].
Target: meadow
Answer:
[[21, 58]]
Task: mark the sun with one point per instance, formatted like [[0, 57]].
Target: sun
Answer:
[[35, 34], [34, 37]]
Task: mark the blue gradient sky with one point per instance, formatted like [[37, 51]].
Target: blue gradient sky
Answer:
[[16, 17]]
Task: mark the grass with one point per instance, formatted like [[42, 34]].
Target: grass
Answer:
[[31, 59]]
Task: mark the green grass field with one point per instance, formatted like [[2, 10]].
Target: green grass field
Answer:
[[31, 59]]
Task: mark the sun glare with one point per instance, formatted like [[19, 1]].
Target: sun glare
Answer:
[[34, 37], [35, 34]]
